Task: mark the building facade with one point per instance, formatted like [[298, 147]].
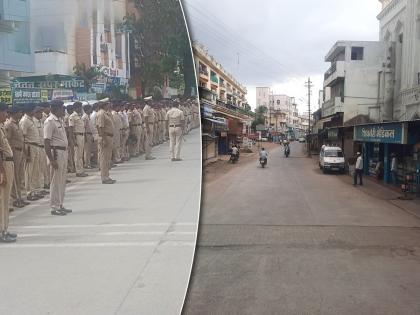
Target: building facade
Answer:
[[70, 32], [215, 82], [16, 57]]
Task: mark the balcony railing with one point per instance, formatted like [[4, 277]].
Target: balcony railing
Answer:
[[222, 84], [204, 72], [330, 71], [332, 106], [410, 96]]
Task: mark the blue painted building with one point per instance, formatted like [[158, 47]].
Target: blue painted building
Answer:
[[16, 57]]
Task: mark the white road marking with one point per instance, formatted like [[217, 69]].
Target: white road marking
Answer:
[[107, 234], [89, 245], [68, 226]]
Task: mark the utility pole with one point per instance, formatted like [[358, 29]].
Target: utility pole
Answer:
[[309, 85]]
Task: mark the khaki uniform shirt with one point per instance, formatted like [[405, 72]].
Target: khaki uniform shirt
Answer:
[[148, 112], [29, 129], [117, 121], [14, 134], [104, 120], [86, 121], [40, 126], [77, 123], [175, 116], [55, 132], [5, 149]]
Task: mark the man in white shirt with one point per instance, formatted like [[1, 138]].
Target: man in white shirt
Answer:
[[358, 172], [394, 167]]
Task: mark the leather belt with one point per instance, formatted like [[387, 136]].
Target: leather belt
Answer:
[[32, 143], [79, 133], [17, 149], [88, 133], [59, 148], [8, 159], [109, 134], [175, 125], [40, 145]]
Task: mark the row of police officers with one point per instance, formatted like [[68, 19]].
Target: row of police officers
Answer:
[[41, 143]]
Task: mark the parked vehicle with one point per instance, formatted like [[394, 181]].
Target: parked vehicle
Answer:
[[302, 140], [331, 159]]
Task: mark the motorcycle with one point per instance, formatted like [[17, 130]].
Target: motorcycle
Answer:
[[263, 162], [287, 152], [234, 158]]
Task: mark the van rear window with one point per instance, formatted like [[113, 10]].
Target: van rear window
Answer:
[[333, 153]]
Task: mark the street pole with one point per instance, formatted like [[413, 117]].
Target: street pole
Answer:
[[309, 86]]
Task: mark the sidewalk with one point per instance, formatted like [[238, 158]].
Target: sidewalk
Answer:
[[127, 248], [384, 192]]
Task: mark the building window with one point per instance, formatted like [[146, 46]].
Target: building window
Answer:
[[357, 53]]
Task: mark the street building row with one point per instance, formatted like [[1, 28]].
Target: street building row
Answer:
[[226, 116], [371, 96]]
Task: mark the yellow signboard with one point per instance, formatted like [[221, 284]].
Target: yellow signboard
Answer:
[[6, 96], [44, 95]]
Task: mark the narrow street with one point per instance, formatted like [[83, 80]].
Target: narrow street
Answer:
[[124, 247], [288, 239]]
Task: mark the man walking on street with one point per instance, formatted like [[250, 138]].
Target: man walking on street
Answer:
[[56, 148], [394, 169], [176, 119], [358, 172]]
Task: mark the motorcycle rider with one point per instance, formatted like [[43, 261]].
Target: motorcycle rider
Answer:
[[286, 149], [234, 152], [263, 155]]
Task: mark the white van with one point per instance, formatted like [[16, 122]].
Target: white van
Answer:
[[331, 159]]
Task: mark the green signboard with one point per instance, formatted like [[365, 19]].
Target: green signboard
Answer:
[[382, 133]]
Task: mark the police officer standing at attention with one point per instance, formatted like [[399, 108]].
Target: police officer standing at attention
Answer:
[[56, 148], [176, 120], [149, 122], [77, 133], [89, 142], [105, 127], [6, 179]]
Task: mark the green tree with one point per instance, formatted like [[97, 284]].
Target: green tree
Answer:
[[259, 119], [89, 75], [161, 45]]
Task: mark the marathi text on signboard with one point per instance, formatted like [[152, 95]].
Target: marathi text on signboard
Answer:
[[30, 96], [384, 133]]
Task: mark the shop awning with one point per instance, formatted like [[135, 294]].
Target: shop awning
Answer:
[[216, 121]]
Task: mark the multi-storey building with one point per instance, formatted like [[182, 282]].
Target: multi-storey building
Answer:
[[263, 96], [215, 82], [15, 49], [70, 32]]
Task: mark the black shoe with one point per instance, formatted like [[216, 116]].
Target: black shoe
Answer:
[[82, 175], [46, 186], [68, 181], [12, 235], [150, 158], [39, 195], [32, 198], [25, 203], [7, 239], [66, 210], [109, 181], [58, 212], [173, 159], [177, 160], [18, 204], [11, 209]]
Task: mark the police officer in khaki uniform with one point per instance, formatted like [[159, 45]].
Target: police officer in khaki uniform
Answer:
[[138, 127], [70, 165], [31, 139], [15, 138], [105, 127], [125, 132], [6, 180], [56, 148], [149, 122], [176, 120], [42, 181], [76, 131], [116, 148], [89, 142]]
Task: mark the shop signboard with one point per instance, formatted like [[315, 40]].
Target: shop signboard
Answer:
[[382, 133], [49, 83], [98, 87], [6, 96], [62, 95], [207, 111], [21, 96], [85, 97]]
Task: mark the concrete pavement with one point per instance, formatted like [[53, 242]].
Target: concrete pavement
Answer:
[[288, 239], [126, 248]]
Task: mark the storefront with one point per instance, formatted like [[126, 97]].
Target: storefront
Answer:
[[212, 129], [380, 141]]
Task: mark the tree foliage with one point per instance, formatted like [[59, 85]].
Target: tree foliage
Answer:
[[160, 45], [89, 75], [259, 116]]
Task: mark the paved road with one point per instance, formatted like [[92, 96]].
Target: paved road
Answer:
[[289, 240], [126, 249]]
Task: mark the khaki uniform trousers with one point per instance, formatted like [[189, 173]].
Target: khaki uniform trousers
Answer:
[[116, 146], [58, 179], [70, 164], [32, 169], [79, 146], [139, 131], [105, 155], [44, 176], [5, 191], [132, 147], [87, 152], [17, 180], [148, 142], [124, 147], [175, 137]]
